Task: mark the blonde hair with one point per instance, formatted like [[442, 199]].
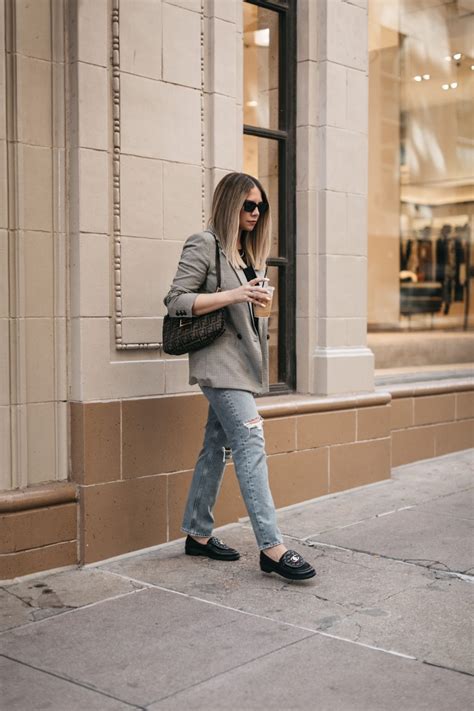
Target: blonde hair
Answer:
[[229, 197]]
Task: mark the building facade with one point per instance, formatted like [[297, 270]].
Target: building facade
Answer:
[[117, 120]]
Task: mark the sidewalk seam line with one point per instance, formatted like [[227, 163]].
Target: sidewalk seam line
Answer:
[[145, 586], [70, 680], [231, 669], [454, 573], [385, 513], [269, 619]]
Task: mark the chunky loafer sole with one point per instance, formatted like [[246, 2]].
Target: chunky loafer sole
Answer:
[[214, 549], [290, 566]]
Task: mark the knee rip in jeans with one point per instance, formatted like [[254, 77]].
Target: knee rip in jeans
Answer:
[[256, 423]]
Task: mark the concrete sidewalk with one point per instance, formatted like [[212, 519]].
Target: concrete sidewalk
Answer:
[[384, 625]]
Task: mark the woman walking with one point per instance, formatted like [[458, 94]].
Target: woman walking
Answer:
[[232, 369]]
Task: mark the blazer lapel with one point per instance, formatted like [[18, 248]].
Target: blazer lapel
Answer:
[[240, 274]]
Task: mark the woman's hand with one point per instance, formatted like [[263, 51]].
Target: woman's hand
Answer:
[[251, 292]]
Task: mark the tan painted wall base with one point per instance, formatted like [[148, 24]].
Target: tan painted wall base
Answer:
[[425, 426], [38, 529], [132, 464]]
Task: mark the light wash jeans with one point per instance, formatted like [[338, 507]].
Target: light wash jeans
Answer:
[[233, 421]]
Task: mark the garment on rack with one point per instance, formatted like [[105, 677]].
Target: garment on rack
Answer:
[[425, 259], [446, 269], [459, 273], [405, 249], [412, 259]]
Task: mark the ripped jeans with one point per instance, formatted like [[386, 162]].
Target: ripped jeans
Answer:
[[233, 422]]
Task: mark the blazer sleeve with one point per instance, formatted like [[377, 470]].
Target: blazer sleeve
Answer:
[[191, 274]]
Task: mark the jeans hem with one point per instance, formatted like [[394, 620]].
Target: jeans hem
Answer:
[[270, 545], [195, 533]]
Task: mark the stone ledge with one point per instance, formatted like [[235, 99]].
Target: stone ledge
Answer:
[[295, 404], [420, 389], [37, 496]]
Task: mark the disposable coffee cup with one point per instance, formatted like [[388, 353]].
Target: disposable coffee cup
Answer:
[[261, 310]]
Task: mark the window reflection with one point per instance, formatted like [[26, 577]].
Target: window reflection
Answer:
[[260, 67], [421, 164], [273, 274], [261, 160]]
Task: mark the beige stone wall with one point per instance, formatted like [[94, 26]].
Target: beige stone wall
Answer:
[[174, 128], [156, 129], [33, 389], [146, 115], [127, 458]]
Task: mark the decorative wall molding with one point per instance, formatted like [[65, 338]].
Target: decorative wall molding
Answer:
[[117, 251], [203, 145], [119, 343]]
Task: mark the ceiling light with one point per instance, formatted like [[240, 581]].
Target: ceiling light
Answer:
[[252, 103], [453, 85], [426, 77], [417, 78], [445, 86], [262, 37], [472, 67], [457, 56]]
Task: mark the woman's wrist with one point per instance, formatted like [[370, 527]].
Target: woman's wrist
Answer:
[[229, 297]]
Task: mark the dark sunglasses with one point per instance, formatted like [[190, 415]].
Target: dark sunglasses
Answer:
[[249, 206]]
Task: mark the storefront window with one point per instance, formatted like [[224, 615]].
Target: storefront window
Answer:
[[421, 165], [269, 70]]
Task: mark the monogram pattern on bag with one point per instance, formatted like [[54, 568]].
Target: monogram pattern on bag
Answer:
[[184, 335]]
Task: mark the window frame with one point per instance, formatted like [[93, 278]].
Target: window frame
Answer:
[[286, 137]]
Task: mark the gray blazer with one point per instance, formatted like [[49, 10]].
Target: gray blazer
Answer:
[[239, 358]]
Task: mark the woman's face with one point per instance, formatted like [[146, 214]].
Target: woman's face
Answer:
[[248, 220]]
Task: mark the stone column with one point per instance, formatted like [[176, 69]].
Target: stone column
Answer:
[[332, 119], [33, 353], [5, 438], [222, 98]]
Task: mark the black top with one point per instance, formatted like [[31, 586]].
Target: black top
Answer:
[[249, 274], [248, 271]]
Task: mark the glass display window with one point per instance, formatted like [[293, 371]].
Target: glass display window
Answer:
[[421, 165]]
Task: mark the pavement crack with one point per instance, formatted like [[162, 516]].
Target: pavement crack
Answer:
[[399, 592], [353, 562], [320, 597], [446, 668], [26, 602], [430, 564], [417, 562]]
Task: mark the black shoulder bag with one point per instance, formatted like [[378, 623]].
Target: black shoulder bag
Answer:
[[184, 335]]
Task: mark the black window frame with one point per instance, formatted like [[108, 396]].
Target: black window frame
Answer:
[[286, 137]]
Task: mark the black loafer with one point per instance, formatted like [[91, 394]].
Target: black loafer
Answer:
[[291, 566], [214, 548]]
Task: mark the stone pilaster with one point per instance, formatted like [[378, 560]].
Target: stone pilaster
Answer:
[[332, 198]]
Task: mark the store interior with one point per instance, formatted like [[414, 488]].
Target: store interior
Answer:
[[421, 170]]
